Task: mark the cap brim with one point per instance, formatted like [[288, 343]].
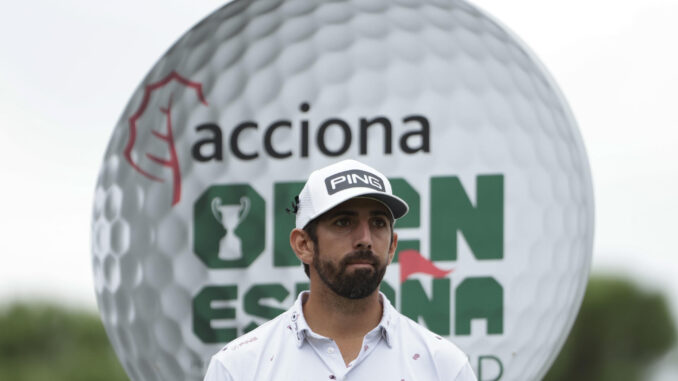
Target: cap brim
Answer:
[[395, 204]]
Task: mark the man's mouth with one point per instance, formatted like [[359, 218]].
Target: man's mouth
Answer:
[[361, 263], [351, 267], [361, 260]]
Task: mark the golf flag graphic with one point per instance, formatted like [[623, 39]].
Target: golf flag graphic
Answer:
[[412, 262]]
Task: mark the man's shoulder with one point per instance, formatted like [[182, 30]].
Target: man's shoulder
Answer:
[[239, 359], [254, 341], [441, 348], [449, 361]]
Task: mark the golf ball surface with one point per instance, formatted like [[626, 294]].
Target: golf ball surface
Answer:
[[189, 230]]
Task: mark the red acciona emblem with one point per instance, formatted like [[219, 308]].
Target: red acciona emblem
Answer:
[[412, 262], [166, 137]]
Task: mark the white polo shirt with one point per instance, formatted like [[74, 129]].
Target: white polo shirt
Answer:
[[285, 348]]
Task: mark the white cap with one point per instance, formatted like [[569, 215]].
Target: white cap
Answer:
[[330, 186]]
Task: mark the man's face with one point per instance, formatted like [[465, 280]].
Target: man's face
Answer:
[[355, 244]]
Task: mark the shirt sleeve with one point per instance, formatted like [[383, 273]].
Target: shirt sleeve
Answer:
[[216, 371], [466, 374]]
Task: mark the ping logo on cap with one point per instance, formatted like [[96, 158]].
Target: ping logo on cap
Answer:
[[354, 178]]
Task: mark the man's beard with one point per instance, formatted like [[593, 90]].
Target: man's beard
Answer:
[[359, 283]]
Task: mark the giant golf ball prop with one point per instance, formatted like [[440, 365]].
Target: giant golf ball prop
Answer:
[[190, 234]]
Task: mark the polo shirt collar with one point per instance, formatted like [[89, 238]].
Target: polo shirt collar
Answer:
[[299, 326]]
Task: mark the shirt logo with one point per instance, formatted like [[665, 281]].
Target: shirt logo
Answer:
[[354, 178]]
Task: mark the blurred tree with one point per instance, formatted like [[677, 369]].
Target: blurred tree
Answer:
[[41, 342], [619, 332]]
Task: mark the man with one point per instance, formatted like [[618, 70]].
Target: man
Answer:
[[343, 328]]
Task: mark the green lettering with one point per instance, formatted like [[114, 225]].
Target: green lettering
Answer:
[[250, 327], [412, 219], [482, 225], [253, 302], [304, 286], [404, 190], [434, 311], [479, 298], [283, 223], [204, 312], [254, 296], [389, 292]]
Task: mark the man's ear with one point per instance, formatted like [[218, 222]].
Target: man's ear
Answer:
[[392, 248], [302, 245]]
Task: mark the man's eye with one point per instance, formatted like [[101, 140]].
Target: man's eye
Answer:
[[342, 222], [379, 222]]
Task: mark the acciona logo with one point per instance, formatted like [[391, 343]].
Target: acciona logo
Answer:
[[154, 124]]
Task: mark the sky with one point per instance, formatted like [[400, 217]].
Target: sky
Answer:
[[68, 68]]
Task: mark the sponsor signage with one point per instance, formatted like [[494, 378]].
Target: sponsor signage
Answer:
[[190, 230]]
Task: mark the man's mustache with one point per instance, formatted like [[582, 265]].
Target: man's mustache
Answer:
[[360, 256]]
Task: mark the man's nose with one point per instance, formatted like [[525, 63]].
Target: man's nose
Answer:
[[363, 235]]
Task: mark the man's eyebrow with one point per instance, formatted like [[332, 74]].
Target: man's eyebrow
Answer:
[[379, 213], [352, 213], [342, 212]]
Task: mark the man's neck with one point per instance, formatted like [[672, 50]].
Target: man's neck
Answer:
[[340, 318]]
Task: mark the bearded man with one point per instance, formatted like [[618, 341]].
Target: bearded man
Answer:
[[343, 328]]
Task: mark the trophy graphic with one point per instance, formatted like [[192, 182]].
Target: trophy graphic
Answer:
[[230, 216]]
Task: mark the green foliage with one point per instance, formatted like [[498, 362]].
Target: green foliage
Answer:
[[619, 332], [42, 342]]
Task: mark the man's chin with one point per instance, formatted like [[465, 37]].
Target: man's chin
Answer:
[[360, 283], [359, 293]]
